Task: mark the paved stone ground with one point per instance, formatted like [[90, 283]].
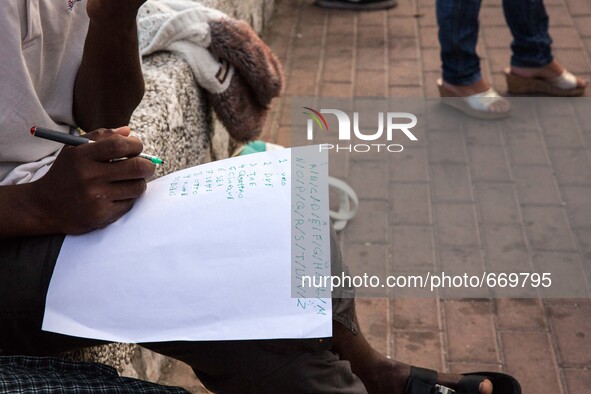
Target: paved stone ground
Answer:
[[494, 199]]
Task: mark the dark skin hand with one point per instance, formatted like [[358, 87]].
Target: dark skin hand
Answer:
[[93, 190], [84, 190]]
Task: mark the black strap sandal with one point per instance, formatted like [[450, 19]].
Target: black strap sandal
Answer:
[[424, 381], [358, 5]]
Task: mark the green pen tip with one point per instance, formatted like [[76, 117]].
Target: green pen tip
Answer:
[[156, 160]]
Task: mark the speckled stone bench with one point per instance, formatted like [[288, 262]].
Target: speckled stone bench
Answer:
[[175, 120]]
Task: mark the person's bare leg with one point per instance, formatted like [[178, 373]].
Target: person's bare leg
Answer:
[[378, 373]]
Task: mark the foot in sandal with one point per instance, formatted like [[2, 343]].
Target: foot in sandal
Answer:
[[478, 100], [389, 376], [380, 374], [550, 80]]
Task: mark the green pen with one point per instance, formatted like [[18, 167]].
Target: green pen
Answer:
[[75, 140]]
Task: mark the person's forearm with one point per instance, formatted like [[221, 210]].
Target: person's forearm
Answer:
[[110, 84], [19, 215]]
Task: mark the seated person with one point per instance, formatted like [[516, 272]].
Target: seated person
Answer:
[[68, 64]]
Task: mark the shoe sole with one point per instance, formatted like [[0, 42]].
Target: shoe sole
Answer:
[[450, 99], [344, 5], [517, 85]]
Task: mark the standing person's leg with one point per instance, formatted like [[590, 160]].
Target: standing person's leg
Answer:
[[458, 36], [528, 22], [533, 67], [462, 85]]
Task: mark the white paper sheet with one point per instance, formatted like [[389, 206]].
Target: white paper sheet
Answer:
[[204, 255]]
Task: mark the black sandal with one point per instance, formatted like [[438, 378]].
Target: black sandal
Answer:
[[424, 381], [357, 5]]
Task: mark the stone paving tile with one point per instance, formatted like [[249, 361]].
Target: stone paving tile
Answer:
[[470, 331], [430, 57], [405, 48], [410, 204], [536, 185], [446, 147], [474, 135], [530, 358], [426, 16], [577, 380], [450, 182], [413, 248], [374, 83], [547, 228], [497, 203], [409, 166], [567, 274], [369, 179], [559, 16], [367, 259], [492, 16], [506, 251], [578, 204], [416, 314], [338, 69], [497, 36], [520, 314], [476, 367], [406, 91], [336, 89], [460, 261], [456, 225], [583, 24], [579, 7], [527, 149], [583, 236], [572, 325], [577, 60], [562, 132], [489, 164], [509, 199], [404, 72], [374, 323], [416, 347], [573, 166], [371, 224]]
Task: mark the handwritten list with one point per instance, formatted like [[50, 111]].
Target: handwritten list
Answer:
[[234, 180], [206, 254], [310, 230]]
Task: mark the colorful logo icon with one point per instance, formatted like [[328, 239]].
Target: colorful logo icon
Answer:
[[317, 117]]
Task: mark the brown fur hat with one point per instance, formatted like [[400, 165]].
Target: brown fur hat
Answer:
[[258, 78]]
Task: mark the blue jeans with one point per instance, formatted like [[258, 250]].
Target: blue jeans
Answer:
[[458, 34]]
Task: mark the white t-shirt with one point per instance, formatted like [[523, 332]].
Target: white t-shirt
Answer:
[[41, 46]]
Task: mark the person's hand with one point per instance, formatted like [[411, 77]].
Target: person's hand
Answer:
[[113, 10], [85, 189]]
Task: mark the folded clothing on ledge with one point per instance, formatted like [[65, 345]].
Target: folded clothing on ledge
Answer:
[[237, 69]]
